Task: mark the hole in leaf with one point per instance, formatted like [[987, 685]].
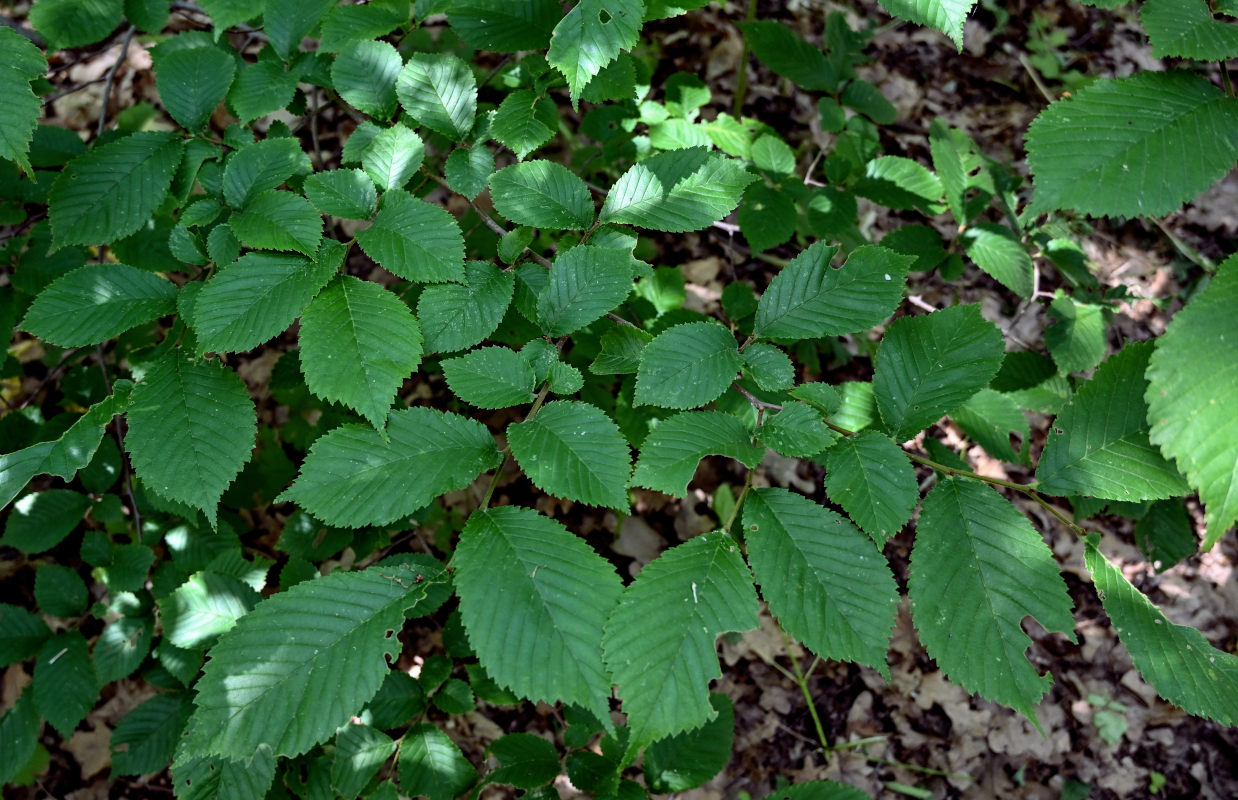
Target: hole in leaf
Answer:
[[604, 16]]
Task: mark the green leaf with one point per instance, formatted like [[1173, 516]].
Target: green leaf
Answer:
[[1190, 373], [346, 24], [426, 453], [672, 450], [454, 317], [261, 166], [73, 23], [22, 107], [22, 633], [585, 283], [1166, 535], [287, 22], [687, 366], [505, 26], [203, 607], [534, 598], [525, 122], [65, 687], [214, 778], [393, 157], [112, 190], [94, 304], [977, 569], [769, 367], [796, 431], [226, 13], [928, 366], [145, 740], [525, 761], [415, 240], [439, 91], [772, 154], [822, 396], [997, 250], [491, 377], [273, 679], [676, 191], [822, 578], [364, 73], [261, 89], [946, 16], [621, 350], [122, 647], [900, 183], [955, 160], [992, 419], [1177, 660], [59, 591], [1123, 147], [696, 591], [591, 36], [869, 101], [275, 220], [687, 760], [347, 193], [191, 429], [255, 299], [1076, 336], [574, 451], [819, 790], [542, 194], [359, 342], [20, 726], [40, 520], [192, 81], [872, 479], [1188, 29], [786, 53], [22, 55], [468, 171], [359, 752], [1099, 443], [808, 299], [432, 765], [767, 217]]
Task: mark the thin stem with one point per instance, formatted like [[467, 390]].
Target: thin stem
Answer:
[[133, 501], [110, 79], [757, 403], [1190, 253], [739, 501], [498, 472], [802, 682]]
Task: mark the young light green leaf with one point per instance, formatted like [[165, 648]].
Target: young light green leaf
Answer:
[[585, 283], [145, 740], [534, 598], [204, 606], [364, 73], [215, 778], [796, 431], [415, 240], [1099, 443], [454, 316], [426, 453], [192, 81], [696, 591], [822, 578], [65, 687], [256, 298], [1116, 147], [261, 166], [927, 366], [872, 479], [592, 35], [503, 26], [491, 377], [997, 250], [786, 53], [955, 160], [359, 342], [808, 299], [359, 752], [273, 679], [347, 193], [672, 450], [111, 191], [769, 367], [1177, 660], [276, 220], [687, 366], [574, 451], [468, 171], [95, 303], [439, 91], [525, 122], [191, 429], [1188, 29], [1191, 368], [542, 194], [977, 569], [1077, 333], [393, 157], [676, 191], [687, 760], [772, 154], [946, 16], [431, 765]]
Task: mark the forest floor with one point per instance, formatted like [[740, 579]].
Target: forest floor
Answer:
[[1104, 729]]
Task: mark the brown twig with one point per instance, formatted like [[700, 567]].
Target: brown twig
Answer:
[[110, 79]]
